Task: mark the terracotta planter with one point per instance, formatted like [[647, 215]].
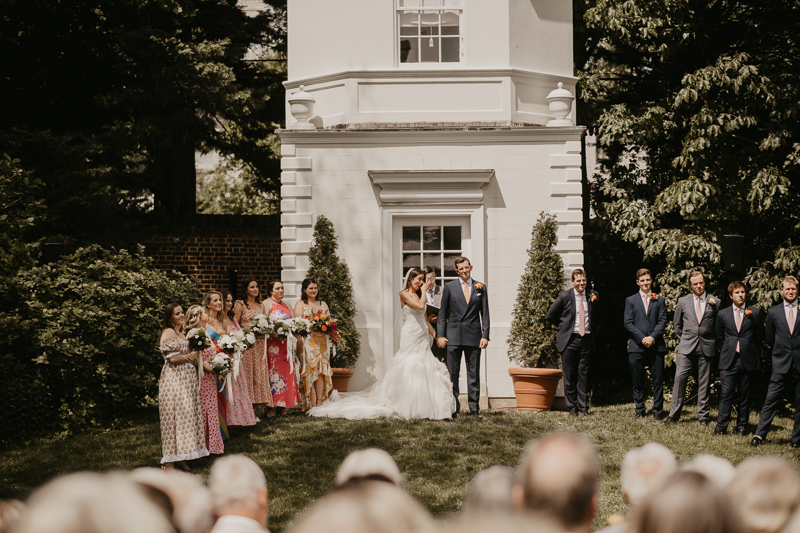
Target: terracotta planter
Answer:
[[535, 388], [341, 377]]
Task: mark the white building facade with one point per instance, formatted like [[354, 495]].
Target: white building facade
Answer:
[[429, 139]]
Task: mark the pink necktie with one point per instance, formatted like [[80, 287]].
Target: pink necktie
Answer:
[[582, 318], [738, 315], [699, 311], [466, 292], [646, 304], [791, 319]]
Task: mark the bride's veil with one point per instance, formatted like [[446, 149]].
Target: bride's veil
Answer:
[[405, 279]]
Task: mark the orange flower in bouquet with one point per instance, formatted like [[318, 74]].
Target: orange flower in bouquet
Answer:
[[323, 322]]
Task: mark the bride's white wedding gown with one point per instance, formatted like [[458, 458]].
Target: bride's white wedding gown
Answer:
[[416, 384]]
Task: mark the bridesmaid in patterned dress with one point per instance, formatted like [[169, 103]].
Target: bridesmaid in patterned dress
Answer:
[[316, 378], [282, 378], [214, 405], [254, 360], [240, 411], [179, 409], [198, 318]]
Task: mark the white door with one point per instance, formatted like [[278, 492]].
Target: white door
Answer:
[[434, 241]]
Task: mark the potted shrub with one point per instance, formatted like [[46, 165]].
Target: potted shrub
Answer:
[[335, 288], [532, 339]]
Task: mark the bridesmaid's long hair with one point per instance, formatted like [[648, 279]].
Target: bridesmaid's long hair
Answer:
[[168, 312], [306, 283], [246, 283], [225, 295], [413, 273], [207, 300], [193, 318]]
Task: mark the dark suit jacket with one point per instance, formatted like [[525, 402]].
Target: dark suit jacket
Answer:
[[785, 346], [562, 315], [749, 337], [640, 325], [461, 323], [692, 335]]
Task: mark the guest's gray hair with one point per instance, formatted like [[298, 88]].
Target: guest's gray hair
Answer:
[[643, 468], [235, 481], [188, 497], [370, 463], [490, 490], [93, 503], [767, 492]]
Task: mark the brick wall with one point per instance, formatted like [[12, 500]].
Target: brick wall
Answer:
[[208, 247]]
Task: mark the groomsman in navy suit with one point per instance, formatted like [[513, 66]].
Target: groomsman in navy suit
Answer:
[[783, 334], [645, 320], [572, 314], [740, 331]]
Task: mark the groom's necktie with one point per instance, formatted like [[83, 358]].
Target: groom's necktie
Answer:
[[466, 291]]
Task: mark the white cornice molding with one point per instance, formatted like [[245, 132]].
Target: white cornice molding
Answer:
[[416, 136], [426, 187], [431, 73]]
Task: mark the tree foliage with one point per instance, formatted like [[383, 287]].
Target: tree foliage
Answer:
[[228, 190], [79, 341], [695, 107], [532, 339], [336, 289]]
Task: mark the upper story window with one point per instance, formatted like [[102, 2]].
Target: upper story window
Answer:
[[429, 31]]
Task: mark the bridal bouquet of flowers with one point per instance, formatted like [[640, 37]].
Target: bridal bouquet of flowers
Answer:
[[246, 338], [301, 326], [323, 322], [261, 324], [283, 328], [222, 363], [198, 339]]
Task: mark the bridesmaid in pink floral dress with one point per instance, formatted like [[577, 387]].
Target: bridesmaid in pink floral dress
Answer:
[[282, 377], [254, 360], [208, 385], [240, 409]]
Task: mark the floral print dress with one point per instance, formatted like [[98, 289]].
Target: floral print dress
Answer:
[[256, 365], [282, 379]]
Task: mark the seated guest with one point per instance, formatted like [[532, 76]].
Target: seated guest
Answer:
[[182, 496], [371, 463], [93, 503], [717, 469], [766, 492], [364, 506], [502, 522], [686, 502], [558, 476], [490, 491], [239, 491], [641, 470]]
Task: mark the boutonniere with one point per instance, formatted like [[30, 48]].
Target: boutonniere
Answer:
[[593, 298], [748, 313], [478, 286], [712, 301], [653, 296]]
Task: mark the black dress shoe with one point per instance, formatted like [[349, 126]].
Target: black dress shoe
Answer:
[[573, 412], [794, 445], [718, 431], [454, 415], [742, 432], [704, 422], [659, 416], [638, 415], [670, 420], [475, 415], [756, 441]]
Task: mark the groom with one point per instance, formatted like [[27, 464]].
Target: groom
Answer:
[[463, 327]]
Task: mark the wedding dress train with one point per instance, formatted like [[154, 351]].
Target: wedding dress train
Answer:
[[416, 384]]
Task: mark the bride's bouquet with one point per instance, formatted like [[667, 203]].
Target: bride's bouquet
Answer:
[[323, 322], [261, 324], [198, 339], [222, 364]]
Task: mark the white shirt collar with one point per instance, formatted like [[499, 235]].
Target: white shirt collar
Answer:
[[742, 308], [644, 294], [790, 304], [703, 297]]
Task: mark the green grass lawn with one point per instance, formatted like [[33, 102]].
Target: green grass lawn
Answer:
[[300, 455]]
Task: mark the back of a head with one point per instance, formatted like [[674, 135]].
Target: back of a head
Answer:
[[189, 500], [371, 463], [717, 469], [490, 490], [767, 492], [502, 522], [92, 503], [364, 506], [558, 475], [643, 468], [10, 513], [686, 502], [235, 482]]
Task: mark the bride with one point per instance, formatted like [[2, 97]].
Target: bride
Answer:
[[416, 384]]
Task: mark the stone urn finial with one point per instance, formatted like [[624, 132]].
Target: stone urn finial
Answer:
[[301, 105], [560, 103]]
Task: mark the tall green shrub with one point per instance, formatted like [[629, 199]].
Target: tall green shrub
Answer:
[[532, 339], [336, 289], [79, 341]]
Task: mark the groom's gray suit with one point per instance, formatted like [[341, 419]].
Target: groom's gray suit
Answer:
[[697, 346], [464, 325]]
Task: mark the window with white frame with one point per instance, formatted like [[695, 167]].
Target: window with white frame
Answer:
[[429, 31]]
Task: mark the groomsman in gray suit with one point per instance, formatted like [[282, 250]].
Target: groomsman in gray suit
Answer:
[[434, 293], [694, 322]]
